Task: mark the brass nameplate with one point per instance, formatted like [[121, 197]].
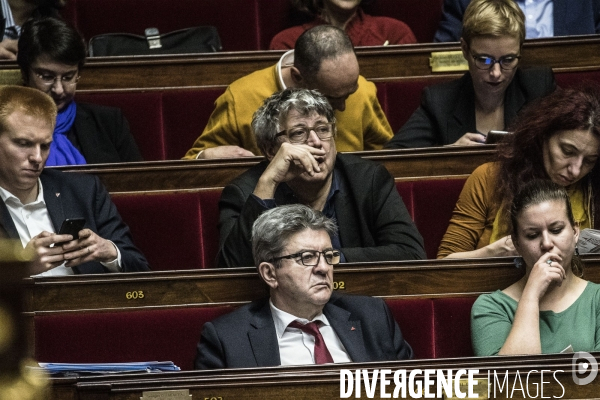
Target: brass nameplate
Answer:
[[448, 61], [481, 389], [183, 394]]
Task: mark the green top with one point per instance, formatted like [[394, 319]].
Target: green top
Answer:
[[493, 314]]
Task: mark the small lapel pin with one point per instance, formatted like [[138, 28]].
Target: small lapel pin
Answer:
[[57, 194], [353, 329]]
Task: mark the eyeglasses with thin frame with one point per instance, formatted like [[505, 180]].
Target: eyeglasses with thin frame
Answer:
[[49, 80], [300, 134], [310, 258], [506, 62]]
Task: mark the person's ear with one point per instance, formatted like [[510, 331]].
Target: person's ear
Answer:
[[297, 77], [267, 272], [271, 150], [576, 233], [465, 48]]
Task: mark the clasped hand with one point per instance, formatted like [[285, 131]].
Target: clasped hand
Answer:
[[290, 161], [51, 250]]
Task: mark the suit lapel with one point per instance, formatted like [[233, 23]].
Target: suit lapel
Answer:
[[263, 338], [514, 99], [7, 225], [463, 116], [349, 332], [54, 201]]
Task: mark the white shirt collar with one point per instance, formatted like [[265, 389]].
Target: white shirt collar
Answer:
[[282, 319], [8, 196], [286, 60]]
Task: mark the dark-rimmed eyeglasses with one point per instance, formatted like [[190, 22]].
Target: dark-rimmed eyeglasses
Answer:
[[300, 134], [506, 62], [310, 258], [49, 80]]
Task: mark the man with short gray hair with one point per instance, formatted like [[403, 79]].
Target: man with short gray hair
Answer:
[[295, 129], [302, 322]]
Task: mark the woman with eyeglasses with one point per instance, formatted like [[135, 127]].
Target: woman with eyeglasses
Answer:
[[550, 309], [489, 96], [558, 139], [51, 54]]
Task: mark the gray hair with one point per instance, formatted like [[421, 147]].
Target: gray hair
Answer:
[[268, 119], [273, 228]]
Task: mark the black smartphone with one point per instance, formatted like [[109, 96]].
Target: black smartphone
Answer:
[[494, 137], [71, 226]]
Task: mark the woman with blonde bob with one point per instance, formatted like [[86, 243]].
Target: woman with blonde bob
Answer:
[[551, 308], [489, 96]]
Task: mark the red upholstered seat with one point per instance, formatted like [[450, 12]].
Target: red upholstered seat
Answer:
[[185, 114], [165, 227], [423, 16], [403, 97], [452, 331], [143, 110], [238, 29], [433, 202], [434, 328], [415, 319], [570, 79], [123, 336]]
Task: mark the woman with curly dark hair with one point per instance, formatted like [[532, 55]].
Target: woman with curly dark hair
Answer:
[[557, 138], [363, 29]]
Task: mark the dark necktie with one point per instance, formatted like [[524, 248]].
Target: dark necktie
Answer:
[[322, 355]]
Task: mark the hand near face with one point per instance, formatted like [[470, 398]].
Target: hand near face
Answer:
[[89, 247], [8, 49], [547, 270], [470, 139], [290, 161], [46, 257]]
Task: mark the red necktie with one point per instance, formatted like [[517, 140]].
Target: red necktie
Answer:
[[322, 355]]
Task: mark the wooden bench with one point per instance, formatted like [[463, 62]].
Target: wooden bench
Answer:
[[376, 63], [323, 381]]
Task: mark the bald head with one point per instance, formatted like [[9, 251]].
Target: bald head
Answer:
[[324, 60]]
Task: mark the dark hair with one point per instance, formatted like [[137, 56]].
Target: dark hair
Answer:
[[50, 37], [317, 44], [537, 192], [521, 154]]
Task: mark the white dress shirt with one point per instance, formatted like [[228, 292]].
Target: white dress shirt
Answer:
[[31, 219], [539, 18], [297, 347]]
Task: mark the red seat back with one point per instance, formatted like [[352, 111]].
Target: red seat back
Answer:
[[123, 336]]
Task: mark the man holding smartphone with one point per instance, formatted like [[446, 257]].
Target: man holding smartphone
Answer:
[[36, 201]]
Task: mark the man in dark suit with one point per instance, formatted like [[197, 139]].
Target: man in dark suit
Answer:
[[301, 322], [36, 201], [295, 129]]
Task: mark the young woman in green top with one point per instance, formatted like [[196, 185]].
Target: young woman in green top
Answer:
[[551, 308]]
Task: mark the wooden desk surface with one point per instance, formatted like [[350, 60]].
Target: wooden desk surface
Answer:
[[406, 164], [108, 73], [323, 382], [405, 279]]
